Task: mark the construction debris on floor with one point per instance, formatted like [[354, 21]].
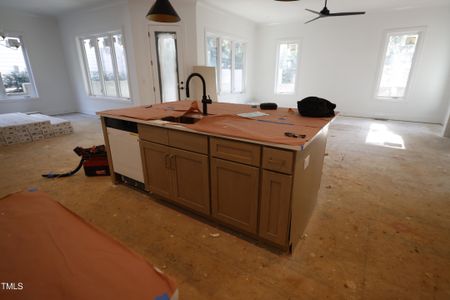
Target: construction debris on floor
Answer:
[[16, 128]]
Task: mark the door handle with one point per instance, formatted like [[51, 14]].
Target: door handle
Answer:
[[167, 161], [173, 162]]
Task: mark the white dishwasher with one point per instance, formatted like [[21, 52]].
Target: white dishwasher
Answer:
[[124, 145]]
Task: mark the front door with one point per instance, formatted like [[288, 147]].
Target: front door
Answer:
[[167, 62]]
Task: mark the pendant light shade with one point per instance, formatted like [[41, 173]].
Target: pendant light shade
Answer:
[[162, 11]]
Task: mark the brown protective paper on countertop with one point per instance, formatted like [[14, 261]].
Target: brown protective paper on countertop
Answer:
[[57, 255], [223, 120], [245, 128], [156, 111]]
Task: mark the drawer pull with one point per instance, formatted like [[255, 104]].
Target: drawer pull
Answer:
[[276, 161]]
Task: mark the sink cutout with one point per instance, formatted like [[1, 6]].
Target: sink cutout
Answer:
[[182, 120]]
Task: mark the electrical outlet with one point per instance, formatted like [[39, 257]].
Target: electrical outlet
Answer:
[[306, 163]]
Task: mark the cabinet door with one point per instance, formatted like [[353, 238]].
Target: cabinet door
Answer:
[[191, 182], [157, 170], [275, 202], [234, 190]]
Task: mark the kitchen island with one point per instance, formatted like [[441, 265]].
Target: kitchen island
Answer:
[[236, 166]]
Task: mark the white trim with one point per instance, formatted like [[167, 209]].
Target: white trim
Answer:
[[110, 98], [277, 61], [127, 63], [220, 36], [114, 64], [420, 31], [177, 29], [85, 66], [34, 93], [100, 66]]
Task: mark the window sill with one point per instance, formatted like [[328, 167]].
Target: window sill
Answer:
[[232, 94], [106, 98], [390, 99], [285, 94], [16, 99]]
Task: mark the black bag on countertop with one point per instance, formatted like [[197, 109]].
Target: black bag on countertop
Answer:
[[316, 107]]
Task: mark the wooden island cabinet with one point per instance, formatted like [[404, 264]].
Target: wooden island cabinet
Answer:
[[265, 191], [177, 174]]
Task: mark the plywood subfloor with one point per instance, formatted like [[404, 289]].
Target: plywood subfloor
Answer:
[[381, 229]]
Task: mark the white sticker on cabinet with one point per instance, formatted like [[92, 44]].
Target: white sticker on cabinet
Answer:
[[306, 163]]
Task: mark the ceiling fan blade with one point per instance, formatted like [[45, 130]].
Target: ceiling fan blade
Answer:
[[313, 19], [353, 13], [313, 11]]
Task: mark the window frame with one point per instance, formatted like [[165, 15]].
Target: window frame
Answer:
[[34, 95], [85, 66], [277, 61], [233, 41], [420, 31]]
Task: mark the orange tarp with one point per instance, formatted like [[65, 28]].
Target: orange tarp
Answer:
[[239, 127], [223, 120], [156, 111], [55, 254]]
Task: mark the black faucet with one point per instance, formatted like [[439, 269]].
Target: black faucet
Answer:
[[205, 100]]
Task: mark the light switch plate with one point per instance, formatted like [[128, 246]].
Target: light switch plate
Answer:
[[306, 163]]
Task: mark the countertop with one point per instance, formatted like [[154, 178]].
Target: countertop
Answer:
[[223, 121]]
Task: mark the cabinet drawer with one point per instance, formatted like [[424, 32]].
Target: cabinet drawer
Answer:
[[153, 134], [188, 141], [278, 160], [236, 151]]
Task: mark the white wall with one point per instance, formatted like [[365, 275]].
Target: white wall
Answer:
[[111, 17], [214, 20], [446, 129], [340, 57], [41, 37], [140, 26]]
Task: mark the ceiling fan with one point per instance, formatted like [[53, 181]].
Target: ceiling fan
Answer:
[[325, 12]]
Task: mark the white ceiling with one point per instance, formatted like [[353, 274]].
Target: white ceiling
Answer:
[[51, 7], [270, 11], [259, 11]]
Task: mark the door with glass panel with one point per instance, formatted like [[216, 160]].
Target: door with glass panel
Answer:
[[167, 63]]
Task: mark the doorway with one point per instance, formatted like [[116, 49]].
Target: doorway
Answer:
[[167, 62]]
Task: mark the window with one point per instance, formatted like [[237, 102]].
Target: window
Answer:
[[105, 64], [286, 72], [16, 79], [228, 57], [397, 63]]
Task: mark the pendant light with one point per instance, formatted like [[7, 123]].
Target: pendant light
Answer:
[[162, 11]]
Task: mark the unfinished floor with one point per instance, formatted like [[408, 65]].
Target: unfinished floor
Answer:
[[381, 229]]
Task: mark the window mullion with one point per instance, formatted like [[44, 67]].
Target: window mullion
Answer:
[[114, 62], [219, 64], [100, 67], [233, 61], [86, 68], [244, 66], [2, 87]]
